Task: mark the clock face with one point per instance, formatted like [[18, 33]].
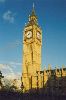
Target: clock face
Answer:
[[38, 35], [29, 34]]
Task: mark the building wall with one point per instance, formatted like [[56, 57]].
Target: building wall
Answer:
[[42, 78]]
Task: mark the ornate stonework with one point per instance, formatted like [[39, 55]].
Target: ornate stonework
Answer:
[[32, 42]]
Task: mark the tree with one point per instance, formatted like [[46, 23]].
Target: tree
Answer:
[[1, 85]]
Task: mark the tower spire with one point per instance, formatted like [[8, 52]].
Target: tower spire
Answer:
[[33, 5], [32, 16], [33, 9]]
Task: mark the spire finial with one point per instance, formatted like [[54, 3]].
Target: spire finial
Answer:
[[33, 10], [33, 5]]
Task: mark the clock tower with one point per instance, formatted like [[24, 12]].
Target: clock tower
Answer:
[[32, 42]]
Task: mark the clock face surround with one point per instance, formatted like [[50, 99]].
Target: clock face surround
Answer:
[[38, 35], [29, 34]]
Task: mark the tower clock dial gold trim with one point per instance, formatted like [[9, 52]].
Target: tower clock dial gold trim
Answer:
[[29, 34], [38, 35]]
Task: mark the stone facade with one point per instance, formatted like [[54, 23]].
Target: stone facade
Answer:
[[32, 76], [32, 42]]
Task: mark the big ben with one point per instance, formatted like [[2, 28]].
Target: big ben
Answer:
[[32, 42]]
